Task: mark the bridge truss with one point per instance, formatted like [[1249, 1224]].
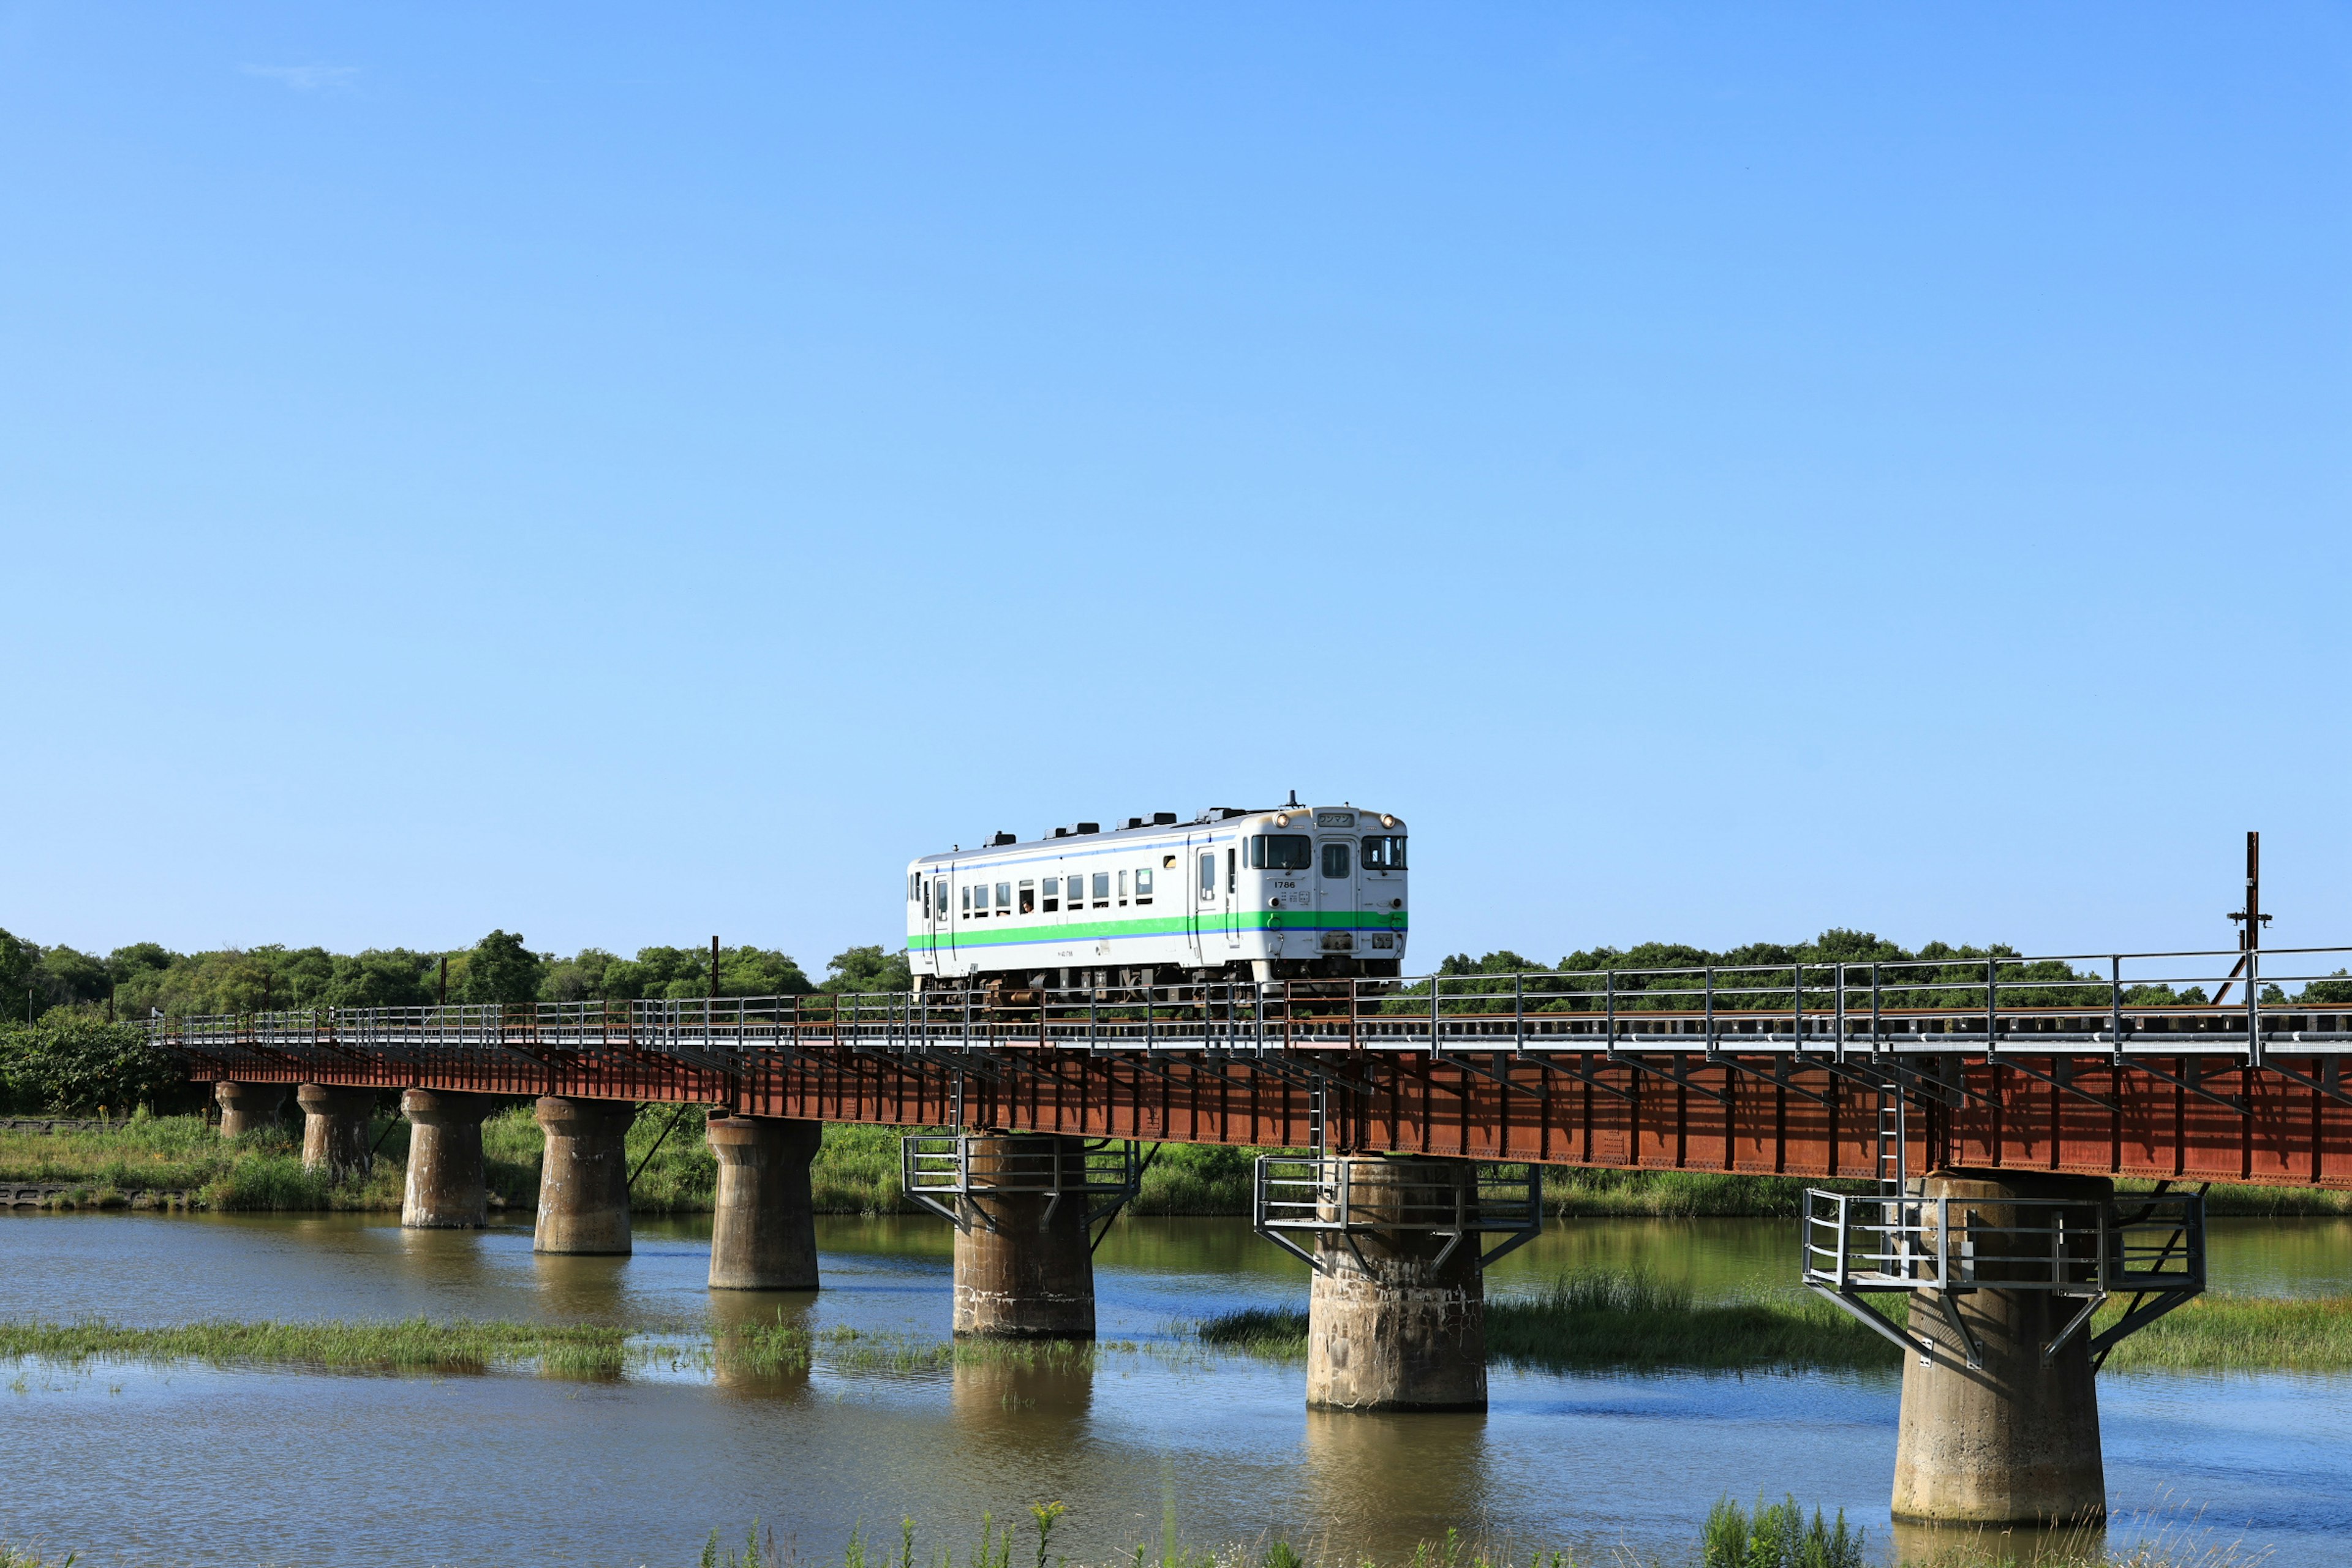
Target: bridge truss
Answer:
[[2105, 1065]]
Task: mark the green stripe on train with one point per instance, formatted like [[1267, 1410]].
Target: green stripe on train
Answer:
[[1164, 925]]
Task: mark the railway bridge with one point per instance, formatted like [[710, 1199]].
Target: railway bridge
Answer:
[[1967, 1119]]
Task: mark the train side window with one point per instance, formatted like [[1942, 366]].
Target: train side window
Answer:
[[1208, 873], [1143, 886], [1232, 878], [1336, 858], [1004, 895], [1122, 889], [1102, 889], [1028, 898], [967, 903], [1053, 893]]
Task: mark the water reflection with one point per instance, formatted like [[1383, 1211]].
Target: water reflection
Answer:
[[1373, 1477], [590, 1288], [740, 1363], [1036, 1397], [1921, 1542], [454, 1468]]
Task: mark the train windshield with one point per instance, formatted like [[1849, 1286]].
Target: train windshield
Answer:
[[1384, 853], [1281, 852]]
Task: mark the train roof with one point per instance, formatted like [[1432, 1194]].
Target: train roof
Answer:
[[1137, 829]]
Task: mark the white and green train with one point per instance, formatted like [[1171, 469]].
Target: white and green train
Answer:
[[1286, 892]]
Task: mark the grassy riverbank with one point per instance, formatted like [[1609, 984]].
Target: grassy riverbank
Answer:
[[856, 1172], [1632, 1323], [1782, 1534]]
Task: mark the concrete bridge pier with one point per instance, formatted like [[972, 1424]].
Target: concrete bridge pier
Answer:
[[2013, 1441], [763, 1223], [583, 1178], [444, 1189], [247, 1107], [1389, 1325], [335, 1128], [1024, 1267]]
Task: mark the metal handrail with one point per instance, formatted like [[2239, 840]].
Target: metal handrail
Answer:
[[2006, 1006]]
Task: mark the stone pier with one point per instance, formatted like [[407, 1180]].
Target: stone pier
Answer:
[[247, 1107], [335, 1128], [1387, 1326], [2013, 1441], [763, 1226], [444, 1188], [583, 1178], [1023, 1265]]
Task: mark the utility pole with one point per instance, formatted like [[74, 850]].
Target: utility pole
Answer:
[[445, 980], [2251, 920]]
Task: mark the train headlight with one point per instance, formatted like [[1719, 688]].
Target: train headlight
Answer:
[[1282, 819], [1387, 821]]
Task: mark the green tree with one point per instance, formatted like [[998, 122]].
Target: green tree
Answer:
[[868, 968], [70, 1063], [501, 968], [381, 977]]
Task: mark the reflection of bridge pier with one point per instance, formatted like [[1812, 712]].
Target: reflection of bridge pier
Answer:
[[1031, 1393], [1419, 1473], [740, 1364]]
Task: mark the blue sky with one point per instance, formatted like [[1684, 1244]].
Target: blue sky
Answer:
[[1718, 472]]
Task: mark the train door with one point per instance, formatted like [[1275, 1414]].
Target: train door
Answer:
[[943, 922], [1228, 861], [1335, 892], [1198, 881]]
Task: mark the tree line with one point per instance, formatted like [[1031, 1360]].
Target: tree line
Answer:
[[145, 979]]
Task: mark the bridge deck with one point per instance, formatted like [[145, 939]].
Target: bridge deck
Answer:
[[1709, 1070]]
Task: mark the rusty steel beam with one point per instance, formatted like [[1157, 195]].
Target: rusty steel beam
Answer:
[[2256, 1125]]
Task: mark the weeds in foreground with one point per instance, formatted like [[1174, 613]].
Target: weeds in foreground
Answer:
[[1777, 1535]]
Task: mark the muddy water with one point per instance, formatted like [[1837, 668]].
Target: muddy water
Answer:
[[190, 1464]]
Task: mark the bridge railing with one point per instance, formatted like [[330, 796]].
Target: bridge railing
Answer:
[[2287, 1001]]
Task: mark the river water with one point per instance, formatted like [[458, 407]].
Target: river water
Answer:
[[190, 1464]]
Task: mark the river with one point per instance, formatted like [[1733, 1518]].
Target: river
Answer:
[[163, 1465]]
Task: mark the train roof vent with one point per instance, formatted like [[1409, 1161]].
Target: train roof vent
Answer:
[[1075, 828], [1135, 822], [1229, 811], [1163, 819], [1001, 841]]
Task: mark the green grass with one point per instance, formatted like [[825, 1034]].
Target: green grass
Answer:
[[415, 1346], [1634, 1323], [856, 1172]]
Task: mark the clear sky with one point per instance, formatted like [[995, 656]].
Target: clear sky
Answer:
[[627, 474]]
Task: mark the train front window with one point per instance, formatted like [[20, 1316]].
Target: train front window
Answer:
[[1384, 852], [1337, 860], [1281, 852]]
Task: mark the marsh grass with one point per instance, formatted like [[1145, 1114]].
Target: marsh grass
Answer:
[[1637, 1323], [415, 1346]]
